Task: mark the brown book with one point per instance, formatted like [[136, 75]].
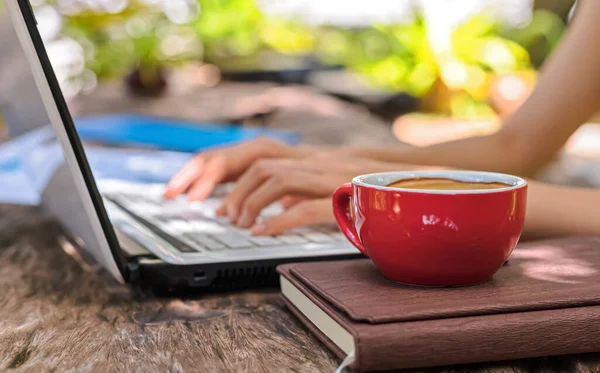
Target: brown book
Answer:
[[544, 301]]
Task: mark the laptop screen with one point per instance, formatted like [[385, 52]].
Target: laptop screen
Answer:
[[46, 145]]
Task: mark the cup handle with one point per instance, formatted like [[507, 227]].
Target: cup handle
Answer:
[[341, 211]]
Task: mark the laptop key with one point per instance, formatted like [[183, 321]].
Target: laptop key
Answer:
[[241, 231], [318, 237], [261, 240], [232, 240], [206, 242], [205, 226], [176, 226], [292, 239], [302, 230], [185, 247], [264, 241], [339, 236], [191, 215]]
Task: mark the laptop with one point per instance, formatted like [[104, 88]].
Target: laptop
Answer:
[[125, 227]]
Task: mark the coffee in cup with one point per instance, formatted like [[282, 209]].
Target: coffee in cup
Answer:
[[434, 228], [433, 183]]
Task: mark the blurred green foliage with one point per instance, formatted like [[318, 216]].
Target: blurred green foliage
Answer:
[[393, 57], [137, 35], [142, 34], [228, 27], [540, 36], [237, 28]]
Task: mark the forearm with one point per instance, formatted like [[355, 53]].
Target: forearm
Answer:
[[488, 153], [566, 95], [558, 211]]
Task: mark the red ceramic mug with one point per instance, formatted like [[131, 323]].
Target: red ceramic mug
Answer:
[[433, 237]]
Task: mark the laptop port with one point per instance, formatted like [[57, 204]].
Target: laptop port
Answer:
[[200, 276]]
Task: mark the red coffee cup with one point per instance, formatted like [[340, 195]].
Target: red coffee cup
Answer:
[[433, 237]]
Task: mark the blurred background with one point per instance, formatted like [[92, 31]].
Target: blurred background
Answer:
[[433, 70]]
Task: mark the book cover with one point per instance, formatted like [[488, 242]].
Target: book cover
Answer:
[[545, 301]]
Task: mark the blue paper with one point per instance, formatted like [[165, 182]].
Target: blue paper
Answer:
[[169, 134], [15, 185], [15, 189], [133, 165], [136, 165]]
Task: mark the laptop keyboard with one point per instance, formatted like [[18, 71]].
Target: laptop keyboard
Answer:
[[193, 226]]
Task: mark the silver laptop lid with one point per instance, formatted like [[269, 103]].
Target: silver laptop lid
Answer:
[[55, 161]]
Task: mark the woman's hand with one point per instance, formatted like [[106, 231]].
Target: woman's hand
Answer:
[[302, 213], [201, 174], [305, 185]]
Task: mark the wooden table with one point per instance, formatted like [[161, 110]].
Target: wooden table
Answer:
[[57, 315]]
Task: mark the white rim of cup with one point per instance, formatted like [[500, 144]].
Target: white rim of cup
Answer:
[[515, 182]]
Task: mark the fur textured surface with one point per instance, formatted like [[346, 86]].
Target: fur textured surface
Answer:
[[56, 316]]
